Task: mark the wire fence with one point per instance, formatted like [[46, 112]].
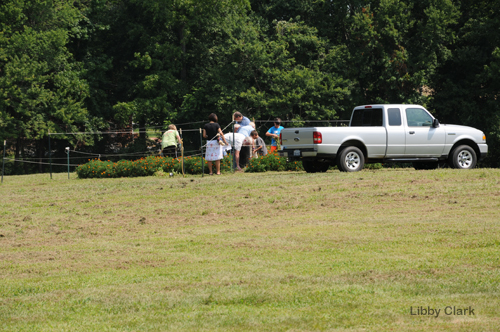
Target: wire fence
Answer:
[[192, 137]]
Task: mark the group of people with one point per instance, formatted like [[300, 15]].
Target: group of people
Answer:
[[247, 143]]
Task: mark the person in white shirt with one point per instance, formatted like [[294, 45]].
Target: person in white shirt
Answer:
[[239, 141]]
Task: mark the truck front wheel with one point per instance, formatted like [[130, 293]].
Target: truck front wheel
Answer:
[[351, 159], [463, 157]]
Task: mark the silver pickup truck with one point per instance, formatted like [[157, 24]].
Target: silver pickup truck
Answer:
[[384, 133]]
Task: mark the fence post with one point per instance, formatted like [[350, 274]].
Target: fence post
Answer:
[[67, 152], [182, 153], [201, 152], [50, 157], [234, 166], [3, 158]]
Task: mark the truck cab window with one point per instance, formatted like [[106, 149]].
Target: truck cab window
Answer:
[[417, 117], [394, 115], [367, 118]]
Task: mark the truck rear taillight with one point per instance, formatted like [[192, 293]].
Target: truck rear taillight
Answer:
[[281, 141], [317, 137]]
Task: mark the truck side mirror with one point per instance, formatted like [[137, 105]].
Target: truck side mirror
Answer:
[[435, 123]]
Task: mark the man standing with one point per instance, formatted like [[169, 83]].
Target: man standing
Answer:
[[274, 133]]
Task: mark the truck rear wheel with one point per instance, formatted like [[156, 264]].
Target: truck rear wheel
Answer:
[[309, 166], [351, 159], [463, 157], [323, 166]]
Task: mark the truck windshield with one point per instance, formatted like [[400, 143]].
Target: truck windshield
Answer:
[[367, 117]]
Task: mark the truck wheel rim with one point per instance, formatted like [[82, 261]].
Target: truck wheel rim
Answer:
[[352, 160], [464, 159]]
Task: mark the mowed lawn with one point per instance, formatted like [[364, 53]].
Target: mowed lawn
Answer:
[[367, 251]]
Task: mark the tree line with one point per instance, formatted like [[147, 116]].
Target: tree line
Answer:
[[92, 65]]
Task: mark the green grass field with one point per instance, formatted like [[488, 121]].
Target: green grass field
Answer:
[[262, 252]]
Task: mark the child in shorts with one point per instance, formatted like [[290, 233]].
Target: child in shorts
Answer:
[[259, 146]]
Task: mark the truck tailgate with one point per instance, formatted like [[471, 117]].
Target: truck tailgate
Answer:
[[292, 138]]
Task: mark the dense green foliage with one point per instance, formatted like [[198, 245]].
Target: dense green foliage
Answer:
[[153, 165], [41, 86], [272, 162], [163, 166], [103, 64]]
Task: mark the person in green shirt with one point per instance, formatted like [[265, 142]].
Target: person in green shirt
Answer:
[[169, 141]]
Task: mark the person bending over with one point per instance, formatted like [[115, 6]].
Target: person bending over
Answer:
[[237, 144], [240, 119], [169, 141]]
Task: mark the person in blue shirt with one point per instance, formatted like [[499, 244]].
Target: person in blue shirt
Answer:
[[245, 130], [240, 119], [274, 133]]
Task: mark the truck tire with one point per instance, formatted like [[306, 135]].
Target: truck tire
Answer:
[[314, 166], [322, 166], [308, 165], [463, 157], [351, 159]]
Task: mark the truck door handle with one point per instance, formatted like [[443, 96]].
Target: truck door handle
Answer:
[[412, 133]]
